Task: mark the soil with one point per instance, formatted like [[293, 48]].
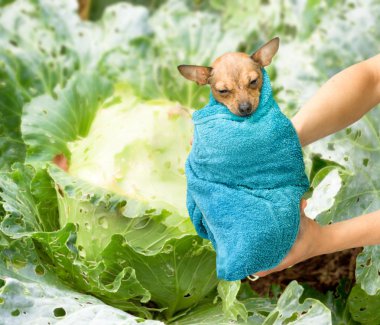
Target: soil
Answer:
[[321, 272]]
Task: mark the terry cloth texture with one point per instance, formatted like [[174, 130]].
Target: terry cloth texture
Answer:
[[245, 179]]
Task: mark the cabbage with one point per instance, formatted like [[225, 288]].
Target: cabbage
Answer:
[[109, 240]]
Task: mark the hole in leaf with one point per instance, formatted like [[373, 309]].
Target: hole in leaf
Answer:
[[15, 312], [187, 295], [2, 283], [39, 270], [369, 261], [59, 312], [362, 309], [291, 318], [358, 133], [102, 221], [365, 161], [1, 301], [82, 252]]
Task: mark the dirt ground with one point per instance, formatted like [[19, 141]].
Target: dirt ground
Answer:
[[321, 272]]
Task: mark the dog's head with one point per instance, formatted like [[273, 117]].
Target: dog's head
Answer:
[[235, 78]]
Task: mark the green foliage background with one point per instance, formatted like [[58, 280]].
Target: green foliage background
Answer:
[[110, 241]]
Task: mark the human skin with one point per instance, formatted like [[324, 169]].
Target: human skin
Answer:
[[341, 101]]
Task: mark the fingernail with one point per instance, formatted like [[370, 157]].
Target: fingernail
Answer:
[[253, 277]]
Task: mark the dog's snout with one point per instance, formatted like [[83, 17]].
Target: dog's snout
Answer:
[[245, 108]]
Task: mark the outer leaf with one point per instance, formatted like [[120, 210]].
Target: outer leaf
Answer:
[[363, 307], [101, 214], [29, 201], [368, 269], [120, 235], [21, 214], [12, 148], [212, 313], [177, 277], [58, 249], [335, 300], [324, 192], [41, 303], [290, 310], [31, 293], [48, 123], [42, 188], [23, 218], [231, 307]]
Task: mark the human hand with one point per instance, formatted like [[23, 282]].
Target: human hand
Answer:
[[305, 246]]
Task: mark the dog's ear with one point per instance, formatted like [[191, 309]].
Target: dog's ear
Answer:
[[197, 73], [265, 53]]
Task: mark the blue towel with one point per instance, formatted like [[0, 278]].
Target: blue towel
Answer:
[[245, 179]]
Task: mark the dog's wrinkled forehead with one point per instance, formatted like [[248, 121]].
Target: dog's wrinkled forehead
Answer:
[[234, 69]]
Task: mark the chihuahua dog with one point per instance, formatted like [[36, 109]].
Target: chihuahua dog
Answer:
[[235, 78]]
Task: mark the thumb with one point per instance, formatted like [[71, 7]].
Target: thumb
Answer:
[[303, 203]]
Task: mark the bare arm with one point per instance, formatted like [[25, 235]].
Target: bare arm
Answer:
[[314, 239], [341, 101], [356, 232]]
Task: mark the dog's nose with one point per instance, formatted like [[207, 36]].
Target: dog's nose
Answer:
[[245, 108]]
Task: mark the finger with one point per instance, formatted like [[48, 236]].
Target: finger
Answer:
[[303, 204]]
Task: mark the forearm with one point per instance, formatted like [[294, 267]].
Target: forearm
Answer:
[[356, 232], [341, 101]]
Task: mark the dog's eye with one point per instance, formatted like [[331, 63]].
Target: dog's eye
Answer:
[[223, 91], [253, 82]]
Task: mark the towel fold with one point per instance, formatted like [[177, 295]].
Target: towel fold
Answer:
[[245, 179]]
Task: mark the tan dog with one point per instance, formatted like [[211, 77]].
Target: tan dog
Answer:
[[235, 77]]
